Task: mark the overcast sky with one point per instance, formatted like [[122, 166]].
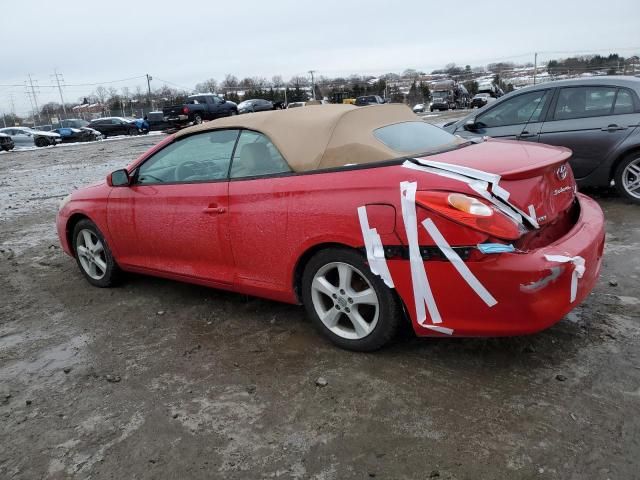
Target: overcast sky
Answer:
[[185, 42]]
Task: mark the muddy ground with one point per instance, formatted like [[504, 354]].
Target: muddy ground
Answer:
[[161, 380]]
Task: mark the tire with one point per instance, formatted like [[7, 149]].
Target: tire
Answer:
[[233, 112], [93, 255], [41, 142], [627, 177], [197, 119], [322, 294], [431, 109]]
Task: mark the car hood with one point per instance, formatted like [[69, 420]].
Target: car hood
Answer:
[[46, 134]]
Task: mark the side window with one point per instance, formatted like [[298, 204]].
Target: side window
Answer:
[[116, 121], [256, 155], [517, 110], [198, 158], [581, 102], [624, 102]]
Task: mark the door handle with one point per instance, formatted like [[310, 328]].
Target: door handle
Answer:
[[214, 210], [612, 128], [526, 134]]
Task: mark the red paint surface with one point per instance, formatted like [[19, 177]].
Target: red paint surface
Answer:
[[248, 236]]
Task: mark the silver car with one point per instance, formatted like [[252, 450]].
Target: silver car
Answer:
[[597, 118], [26, 137]]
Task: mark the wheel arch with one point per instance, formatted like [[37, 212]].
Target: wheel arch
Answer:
[[620, 157], [311, 251], [71, 224], [304, 259]]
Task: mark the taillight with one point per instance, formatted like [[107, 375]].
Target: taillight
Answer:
[[185, 110], [471, 212]]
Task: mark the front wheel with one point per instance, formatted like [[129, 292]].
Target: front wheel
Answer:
[[627, 177], [41, 142], [93, 255], [347, 303], [233, 112]]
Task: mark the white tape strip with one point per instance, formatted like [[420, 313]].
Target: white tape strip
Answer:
[[458, 263], [421, 289], [579, 267], [374, 248], [497, 192], [437, 328]]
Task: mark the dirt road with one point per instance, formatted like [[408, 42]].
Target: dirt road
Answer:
[[161, 380]]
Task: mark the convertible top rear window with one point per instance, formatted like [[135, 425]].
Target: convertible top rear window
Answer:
[[414, 137]]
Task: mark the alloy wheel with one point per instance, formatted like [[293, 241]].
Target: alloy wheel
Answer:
[[91, 254], [631, 178], [345, 301]]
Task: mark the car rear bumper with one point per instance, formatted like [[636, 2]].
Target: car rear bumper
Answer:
[[532, 292]]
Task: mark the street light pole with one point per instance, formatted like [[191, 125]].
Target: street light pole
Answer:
[[535, 67], [313, 85], [149, 78]]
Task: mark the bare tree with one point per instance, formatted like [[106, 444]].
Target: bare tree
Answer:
[[276, 81], [101, 94], [208, 86]]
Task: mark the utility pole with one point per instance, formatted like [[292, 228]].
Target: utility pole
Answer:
[[31, 103], [535, 67], [13, 105], [57, 76], [35, 99], [313, 85], [149, 78]]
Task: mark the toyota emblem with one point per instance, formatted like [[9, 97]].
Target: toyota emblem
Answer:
[[561, 172]]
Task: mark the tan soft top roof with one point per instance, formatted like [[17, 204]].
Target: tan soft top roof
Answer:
[[320, 136]]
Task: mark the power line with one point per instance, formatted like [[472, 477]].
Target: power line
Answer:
[[77, 84]]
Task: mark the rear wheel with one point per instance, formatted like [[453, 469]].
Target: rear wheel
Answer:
[[197, 119], [233, 112], [347, 303], [93, 255], [627, 177]]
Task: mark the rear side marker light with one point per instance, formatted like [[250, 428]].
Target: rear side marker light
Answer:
[[470, 212]]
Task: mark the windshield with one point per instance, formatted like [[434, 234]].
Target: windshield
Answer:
[[439, 94], [416, 137]]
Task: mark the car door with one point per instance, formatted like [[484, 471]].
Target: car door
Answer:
[[22, 138], [591, 121], [516, 117], [258, 210], [173, 218], [118, 127]]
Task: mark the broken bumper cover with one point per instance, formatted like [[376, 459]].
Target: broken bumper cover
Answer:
[[532, 292]]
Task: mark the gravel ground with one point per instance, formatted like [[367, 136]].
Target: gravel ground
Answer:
[[158, 379]]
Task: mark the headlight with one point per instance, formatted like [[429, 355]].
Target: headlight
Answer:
[[64, 202]]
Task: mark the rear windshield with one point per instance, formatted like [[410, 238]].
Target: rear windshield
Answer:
[[415, 137]]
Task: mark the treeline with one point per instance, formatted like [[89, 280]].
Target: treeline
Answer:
[[612, 64]]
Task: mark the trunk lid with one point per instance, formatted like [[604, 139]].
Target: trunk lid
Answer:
[[173, 110], [537, 177]]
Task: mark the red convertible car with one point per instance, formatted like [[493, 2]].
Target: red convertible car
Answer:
[[368, 216]]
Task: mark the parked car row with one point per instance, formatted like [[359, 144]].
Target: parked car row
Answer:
[[28, 137]]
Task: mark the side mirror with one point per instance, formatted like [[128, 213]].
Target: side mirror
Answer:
[[119, 178], [471, 125]]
